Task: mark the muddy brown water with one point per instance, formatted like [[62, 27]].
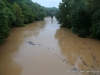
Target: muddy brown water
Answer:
[[43, 48]]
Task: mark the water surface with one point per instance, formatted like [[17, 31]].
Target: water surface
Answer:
[[43, 48]]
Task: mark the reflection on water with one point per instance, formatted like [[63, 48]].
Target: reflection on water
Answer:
[[34, 29], [51, 20], [43, 48]]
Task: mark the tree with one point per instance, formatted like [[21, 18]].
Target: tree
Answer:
[[27, 13], [74, 14], [4, 29], [95, 28], [17, 13], [19, 16]]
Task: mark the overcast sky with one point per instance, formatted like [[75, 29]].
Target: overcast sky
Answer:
[[48, 3]]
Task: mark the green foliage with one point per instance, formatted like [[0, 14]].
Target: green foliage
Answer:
[[95, 29], [59, 16], [16, 13], [27, 13], [11, 16], [81, 16], [80, 20], [37, 10], [64, 14], [93, 4], [4, 29], [19, 16]]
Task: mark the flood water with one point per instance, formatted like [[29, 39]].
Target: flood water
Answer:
[[43, 48]]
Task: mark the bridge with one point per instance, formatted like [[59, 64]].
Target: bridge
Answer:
[[51, 11]]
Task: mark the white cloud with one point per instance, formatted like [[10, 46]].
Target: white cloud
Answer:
[[48, 3]]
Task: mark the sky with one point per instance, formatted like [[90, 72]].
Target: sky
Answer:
[[48, 3]]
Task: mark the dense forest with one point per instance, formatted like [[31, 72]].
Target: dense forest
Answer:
[[81, 16], [17, 13]]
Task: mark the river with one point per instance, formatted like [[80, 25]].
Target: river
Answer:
[[43, 48]]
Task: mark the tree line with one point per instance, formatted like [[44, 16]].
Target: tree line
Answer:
[[17, 13], [81, 16], [48, 10]]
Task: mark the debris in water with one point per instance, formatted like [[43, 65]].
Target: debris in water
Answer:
[[58, 56], [64, 60], [31, 43], [74, 69], [84, 42], [93, 67], [84, 63], [89, 47], [94, 57]]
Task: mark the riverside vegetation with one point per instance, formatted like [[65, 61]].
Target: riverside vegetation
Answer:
[[17, 13], [81, 16]]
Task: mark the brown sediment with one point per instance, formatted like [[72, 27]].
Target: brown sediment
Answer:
[[43, 48]]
